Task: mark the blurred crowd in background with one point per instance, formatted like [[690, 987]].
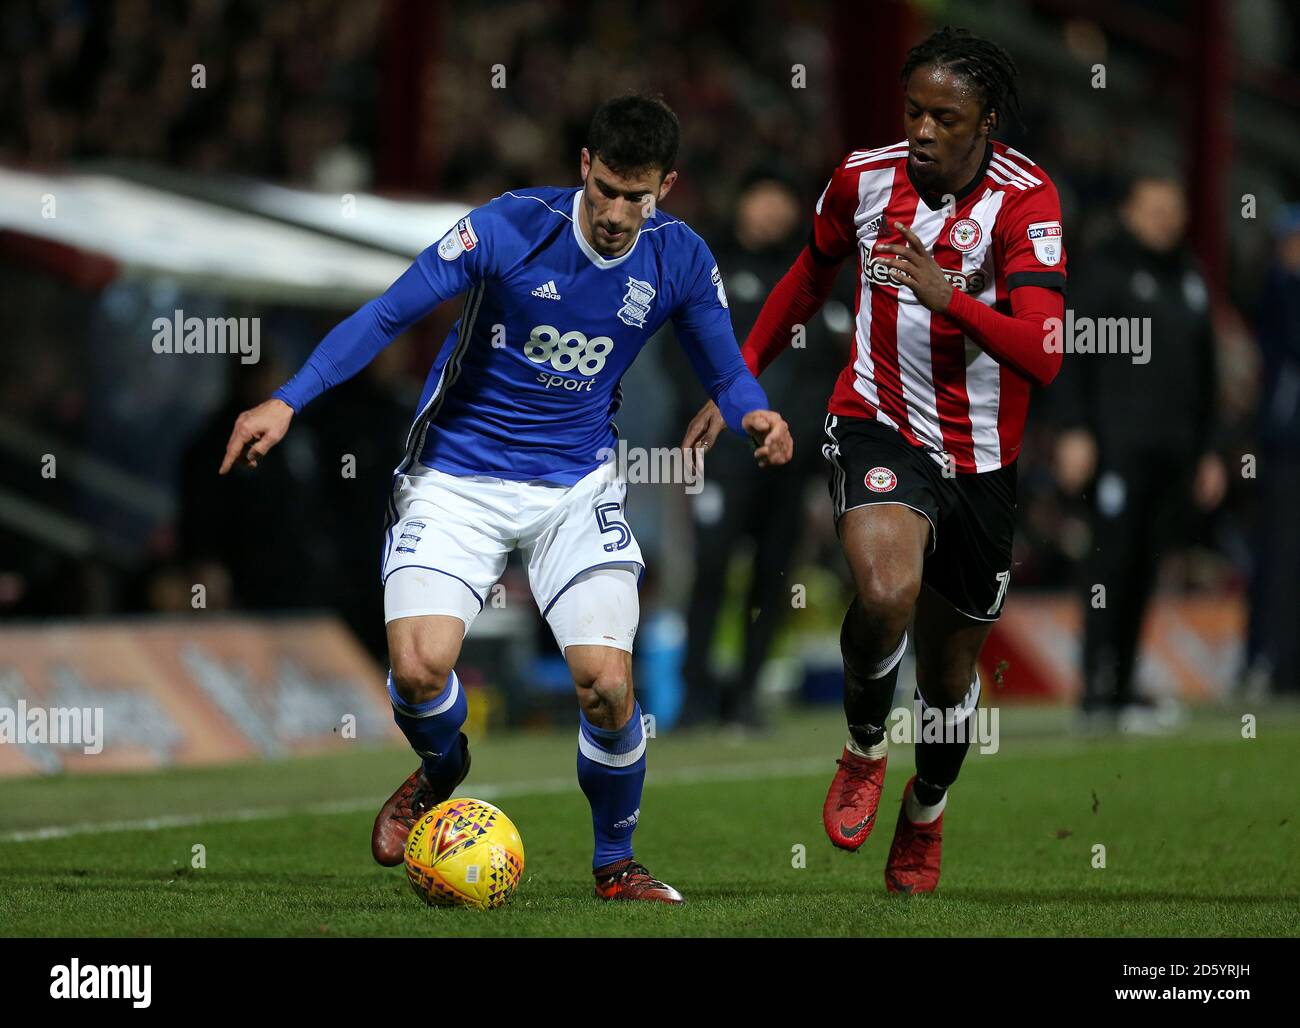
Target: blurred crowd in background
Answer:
[[288, 88], [307, 93]]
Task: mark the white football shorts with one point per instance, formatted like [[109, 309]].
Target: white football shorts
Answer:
[[447, 546]]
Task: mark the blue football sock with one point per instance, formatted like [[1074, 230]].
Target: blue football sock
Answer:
[[611, 771], [433, 728]]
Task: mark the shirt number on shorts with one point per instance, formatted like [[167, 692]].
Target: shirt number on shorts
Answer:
[[1004, 580], [608, 520], [567, 351]]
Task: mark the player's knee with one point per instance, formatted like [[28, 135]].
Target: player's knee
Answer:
[[422, 673], [604, 692], [944, 686], [885, 603]]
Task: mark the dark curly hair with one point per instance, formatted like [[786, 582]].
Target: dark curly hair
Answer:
[[982, 63]]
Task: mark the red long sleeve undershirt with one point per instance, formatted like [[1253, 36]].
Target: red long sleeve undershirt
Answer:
[[1016, 340], [792, 301]]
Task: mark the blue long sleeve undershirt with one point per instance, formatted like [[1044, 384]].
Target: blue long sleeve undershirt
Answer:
[[356, 340]]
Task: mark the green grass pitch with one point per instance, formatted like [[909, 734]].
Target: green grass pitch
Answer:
[[1199, 833]]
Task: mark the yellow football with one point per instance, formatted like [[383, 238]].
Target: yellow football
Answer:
[[464, 853]]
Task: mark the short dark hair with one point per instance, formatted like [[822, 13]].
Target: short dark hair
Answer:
[[981, 62], [634, 132]]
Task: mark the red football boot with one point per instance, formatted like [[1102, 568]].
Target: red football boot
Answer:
[[628, 880], [413, 798], [913, 864], [849, 812]]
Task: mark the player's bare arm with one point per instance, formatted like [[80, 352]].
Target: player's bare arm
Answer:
[[704, 429], [256, 431]]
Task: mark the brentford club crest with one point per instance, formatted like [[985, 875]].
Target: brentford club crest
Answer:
[[880, 480], [965, 234]]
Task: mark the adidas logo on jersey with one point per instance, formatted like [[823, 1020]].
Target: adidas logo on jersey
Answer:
[[547, 291]]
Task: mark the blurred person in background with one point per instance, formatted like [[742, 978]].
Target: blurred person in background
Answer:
[[1275, 584], [256, 542], [360, 476], [739, 502], [1137, 436]]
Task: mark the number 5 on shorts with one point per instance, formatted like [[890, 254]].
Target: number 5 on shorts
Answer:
[[608, 520]]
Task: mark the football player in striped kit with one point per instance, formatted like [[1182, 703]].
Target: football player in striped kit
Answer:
[[511, 449], [960, 259]]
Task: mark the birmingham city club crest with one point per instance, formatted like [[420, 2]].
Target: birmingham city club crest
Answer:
[[636, 302]]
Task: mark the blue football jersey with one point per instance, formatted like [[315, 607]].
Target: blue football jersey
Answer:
[[527, 382]]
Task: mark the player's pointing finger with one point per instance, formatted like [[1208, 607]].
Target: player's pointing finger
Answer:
[[233, 449], [914, 241]]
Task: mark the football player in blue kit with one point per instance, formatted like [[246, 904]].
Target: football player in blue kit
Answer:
[[510, 449]]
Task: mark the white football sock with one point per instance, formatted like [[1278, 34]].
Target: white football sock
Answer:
[[874, 753], [920, 815]]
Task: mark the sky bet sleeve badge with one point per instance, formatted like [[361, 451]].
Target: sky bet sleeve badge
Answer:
[[717, 284], [1046, 237], [458, 240]]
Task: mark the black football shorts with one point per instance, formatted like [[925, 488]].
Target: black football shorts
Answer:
[[972, 516]]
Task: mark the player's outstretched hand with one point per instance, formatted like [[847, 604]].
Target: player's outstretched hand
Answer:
[[768, 429], [255, 432], [702, 432]]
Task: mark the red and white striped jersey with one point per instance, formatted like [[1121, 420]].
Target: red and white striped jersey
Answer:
[[916, 371]]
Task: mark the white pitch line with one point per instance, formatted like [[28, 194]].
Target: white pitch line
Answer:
[[540, 787], [1026, 749]]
